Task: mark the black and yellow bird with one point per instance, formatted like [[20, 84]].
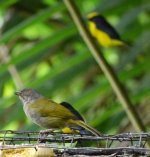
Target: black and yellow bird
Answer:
[[104, 32]]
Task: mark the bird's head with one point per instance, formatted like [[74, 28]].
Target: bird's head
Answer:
[[91, 15], [28, 95]]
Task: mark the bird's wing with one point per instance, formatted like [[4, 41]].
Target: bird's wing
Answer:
[[48, 108], [73, 110], [103, 25]]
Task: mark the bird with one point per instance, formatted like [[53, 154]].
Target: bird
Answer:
[[103, 31], [52, 115]]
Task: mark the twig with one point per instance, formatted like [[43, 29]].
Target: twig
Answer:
[[12, 69], [31, 136]]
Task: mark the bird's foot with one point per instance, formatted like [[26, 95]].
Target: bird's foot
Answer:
[[43, 135]]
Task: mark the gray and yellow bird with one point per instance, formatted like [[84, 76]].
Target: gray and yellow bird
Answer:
[[51, 115]]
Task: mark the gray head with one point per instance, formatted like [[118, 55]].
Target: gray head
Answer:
[[28, 95]]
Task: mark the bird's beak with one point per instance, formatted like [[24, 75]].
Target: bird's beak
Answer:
[[18, 93]]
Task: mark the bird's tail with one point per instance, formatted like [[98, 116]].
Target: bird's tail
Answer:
[[86, 127]]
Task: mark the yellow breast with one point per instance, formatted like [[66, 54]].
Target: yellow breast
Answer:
[[103, 38]]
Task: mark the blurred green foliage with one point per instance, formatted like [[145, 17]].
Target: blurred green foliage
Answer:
[[45, 48]]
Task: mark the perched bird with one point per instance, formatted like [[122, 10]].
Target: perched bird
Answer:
[[51, 115], [104, 32]]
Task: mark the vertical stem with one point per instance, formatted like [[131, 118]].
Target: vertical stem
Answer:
[[12, 69]]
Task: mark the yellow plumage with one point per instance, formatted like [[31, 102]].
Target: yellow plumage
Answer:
[[105, 34]]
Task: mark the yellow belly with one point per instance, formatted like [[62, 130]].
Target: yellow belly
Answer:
[[103, 38]]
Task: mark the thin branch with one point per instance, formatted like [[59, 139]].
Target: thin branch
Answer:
[[12, 69], [35, 136], [106, 68]]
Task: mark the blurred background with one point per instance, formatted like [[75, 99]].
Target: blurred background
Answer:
[[41, 48]]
